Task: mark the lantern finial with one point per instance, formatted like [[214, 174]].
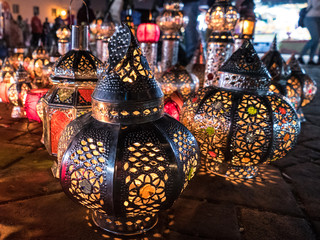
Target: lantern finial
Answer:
[[294, 65], [274, 44]]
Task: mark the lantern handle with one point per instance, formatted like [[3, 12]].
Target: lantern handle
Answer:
[[87, 10]]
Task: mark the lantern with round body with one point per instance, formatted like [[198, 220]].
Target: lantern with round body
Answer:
[[240, 125], [291, 88], [40, 58], [170, 21], [6, 79], [177, 78], [17, 92], [74, 77], [126, 160], [17, 57], [63, 34], [219, 49], [148, 35]]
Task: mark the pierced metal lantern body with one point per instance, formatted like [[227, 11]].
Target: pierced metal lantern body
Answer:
[[17, 57], [170, 21], [240, 125], [6, 80], [126, 160], [17, 92], [199, 65], [219, 49], [74, 78], [222, 16], [63, 35], [148, 35], [301, 85], [40, 58], [281, 83], [177, 78]]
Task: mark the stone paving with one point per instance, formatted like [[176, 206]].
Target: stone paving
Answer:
[[282, 203]]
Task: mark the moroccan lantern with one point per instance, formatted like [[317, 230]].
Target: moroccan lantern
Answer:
[[129, 20], [126, 160], [107, 29], [246, 23], [219, 49], [32, 103], [40, 58], [17, 57], [222, 16], [170, 21], [74, 77], [240, 124], [6, 79], [17, 92], [63, 35], [280, 83], [177, 78], [199, 66], [148, 35]]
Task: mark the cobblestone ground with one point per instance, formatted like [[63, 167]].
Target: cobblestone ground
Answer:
[[283, 203]]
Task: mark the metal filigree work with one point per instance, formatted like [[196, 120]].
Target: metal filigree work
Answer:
[[220, 48], [177, 78], [126, 167], [241, 125]]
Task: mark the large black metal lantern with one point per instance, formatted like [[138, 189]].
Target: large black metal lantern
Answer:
[[126, 160], [281, 83], [240, 125]]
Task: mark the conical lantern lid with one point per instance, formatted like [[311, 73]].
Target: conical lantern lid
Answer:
[[244, 70], [294, 65], [274, 62], [127, 92], [40, 53], [21, 74], [7, 66], [79, 64]]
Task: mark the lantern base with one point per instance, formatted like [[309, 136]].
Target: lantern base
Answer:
[[124, 226], [17, 112], [228, 171]]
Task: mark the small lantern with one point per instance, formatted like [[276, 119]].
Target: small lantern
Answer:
[[74, 78], [17, 92], [63, 35], [240, 125], [148, 35], [246, 24], [177, 78], [6, 79], [40, 58], [170, 21], [126, 160], [221, 16], [32, 103], [129, 20], [280, 83], [220, 48], [17, 57]]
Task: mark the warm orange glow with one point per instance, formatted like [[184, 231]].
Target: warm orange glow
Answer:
[[63, 13], [248, 27]]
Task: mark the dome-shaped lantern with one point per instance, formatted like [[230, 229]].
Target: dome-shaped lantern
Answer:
[[222, 16], [280, 83], [17, 57], [63, 35], [240, 125], [148, 35], [177, 78], [17, 92], [126, 160], [170, 21], [32, 103], [74, 77]]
